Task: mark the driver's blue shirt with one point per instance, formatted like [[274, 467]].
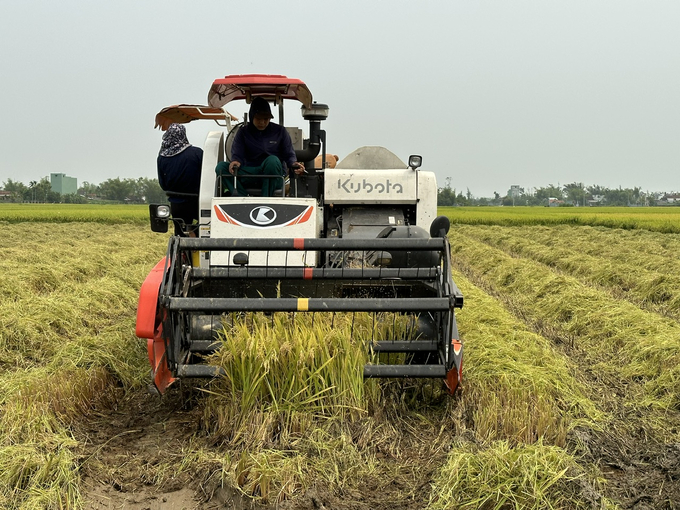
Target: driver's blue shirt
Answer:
[[252, 146]]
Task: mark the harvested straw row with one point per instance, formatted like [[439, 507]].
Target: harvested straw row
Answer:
[[523, 400], [517, 387], [617, 337], [527, 476], [653, 290], [69, 293], [37, 477], [69, 284], [653, 251]]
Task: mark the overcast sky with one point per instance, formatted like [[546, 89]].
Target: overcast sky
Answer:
[[490, 93]]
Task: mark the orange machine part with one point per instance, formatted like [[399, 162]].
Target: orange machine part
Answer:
[[455, 376], [148, 302], [149, 325], [162, 377]]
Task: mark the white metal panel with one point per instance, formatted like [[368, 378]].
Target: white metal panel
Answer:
[[213, 153], [265, 218], [427, 199], [396, 186]]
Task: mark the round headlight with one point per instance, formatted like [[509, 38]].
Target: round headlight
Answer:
[[414, 161], [163, 212]]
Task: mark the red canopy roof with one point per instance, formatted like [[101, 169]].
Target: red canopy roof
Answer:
[[272, 87]]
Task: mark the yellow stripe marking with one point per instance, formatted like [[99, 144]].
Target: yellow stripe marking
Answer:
[[303, 304]]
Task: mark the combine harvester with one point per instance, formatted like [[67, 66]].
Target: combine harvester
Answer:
[[360, 237]]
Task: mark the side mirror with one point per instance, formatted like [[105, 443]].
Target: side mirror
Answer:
[[159, 215], [440, 226]]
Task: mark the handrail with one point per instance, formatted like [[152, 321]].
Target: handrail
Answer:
[[266, 176]]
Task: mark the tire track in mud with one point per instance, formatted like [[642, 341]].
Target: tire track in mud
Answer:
[[132, 458], [639, 453]]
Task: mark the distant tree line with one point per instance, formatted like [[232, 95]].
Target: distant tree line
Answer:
[[144, 190], [574, 194], [134, 191]]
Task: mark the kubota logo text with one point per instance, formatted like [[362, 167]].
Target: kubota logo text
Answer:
[[349, 186], [263, 215]]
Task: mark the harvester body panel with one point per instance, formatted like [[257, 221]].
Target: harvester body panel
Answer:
[[371, 186], [396, 187], [270, 218]]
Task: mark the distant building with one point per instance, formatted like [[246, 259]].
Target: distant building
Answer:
[[669, 199], [596, 200], [5, 195], [63, 184]]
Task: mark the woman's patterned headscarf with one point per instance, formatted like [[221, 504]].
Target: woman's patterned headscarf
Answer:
[[174, 141]]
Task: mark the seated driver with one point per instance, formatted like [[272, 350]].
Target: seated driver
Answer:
[[261, 147]]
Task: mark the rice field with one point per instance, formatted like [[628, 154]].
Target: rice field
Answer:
[[570, 398], [65, 213]]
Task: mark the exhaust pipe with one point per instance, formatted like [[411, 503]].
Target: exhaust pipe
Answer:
[[315, 114]]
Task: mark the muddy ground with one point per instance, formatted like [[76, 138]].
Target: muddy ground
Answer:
[[124, 447]]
